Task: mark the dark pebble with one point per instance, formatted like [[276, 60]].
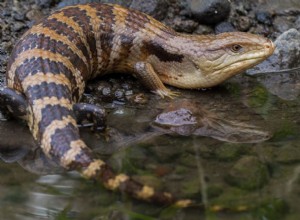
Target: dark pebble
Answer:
[[126, 86], [210, 11], [243, 23], [19, 17], [106, 91], [34, 15], [45, 3], [264, 17], [184, 25], [18, 26], [224, 27], [119, 94], [155, 8]]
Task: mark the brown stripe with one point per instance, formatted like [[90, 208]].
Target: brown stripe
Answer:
[[40, 77], [95, 21], [76, 27], [93, 169], [76, 148], [119, 29], [105, 13], [36, 53], [40, 104], [114, 183], [39, 29], [145, 193], [51, 129]]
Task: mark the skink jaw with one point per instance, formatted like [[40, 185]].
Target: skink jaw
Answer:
[[270, 47]]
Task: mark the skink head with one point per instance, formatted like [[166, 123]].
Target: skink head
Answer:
[[232, 53], [210, 60]]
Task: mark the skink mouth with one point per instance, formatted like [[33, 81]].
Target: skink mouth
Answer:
[[270, 47]]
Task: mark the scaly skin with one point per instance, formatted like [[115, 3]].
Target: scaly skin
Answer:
[[52, 62]]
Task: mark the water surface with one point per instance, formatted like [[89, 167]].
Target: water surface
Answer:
[[257, 180]]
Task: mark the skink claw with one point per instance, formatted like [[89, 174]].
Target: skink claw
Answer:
[[167, 93]]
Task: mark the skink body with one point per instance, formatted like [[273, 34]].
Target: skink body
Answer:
[[51, 63]]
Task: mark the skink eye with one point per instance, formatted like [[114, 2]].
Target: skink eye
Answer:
[[236, 48]]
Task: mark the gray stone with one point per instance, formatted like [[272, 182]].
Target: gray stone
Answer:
[[34, 15], [264, 17], [282, 24], [18, 26], [297, 24], [280, 72], [243, 23], [286, 55]]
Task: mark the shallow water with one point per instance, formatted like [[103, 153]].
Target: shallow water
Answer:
[[232, 180]]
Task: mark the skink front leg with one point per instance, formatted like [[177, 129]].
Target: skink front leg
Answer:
[[90, 113], [151, 80], [13, 103]]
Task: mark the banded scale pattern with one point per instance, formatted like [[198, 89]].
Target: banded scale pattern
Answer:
[[51, 64]]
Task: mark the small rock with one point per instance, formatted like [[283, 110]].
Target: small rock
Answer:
[[248, 173], [119, 94], [242, 8], [155, 8], [264, 17], [224, 27], [106, 91], [297, 24], [243, 23], [34, 15], [184, 25], [261, 29], [45, 3], [210, 11], [19, 17], [18, 26]]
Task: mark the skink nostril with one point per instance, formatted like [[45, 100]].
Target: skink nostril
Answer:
[[270, 45]]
